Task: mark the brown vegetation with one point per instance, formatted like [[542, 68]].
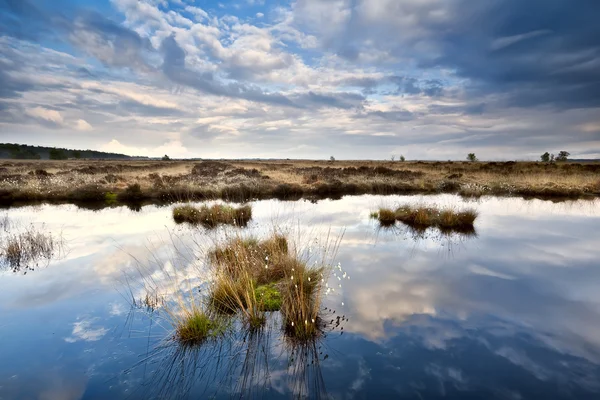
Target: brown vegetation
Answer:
[[85, 182], [252, 277], [211, 217], [422, 217]]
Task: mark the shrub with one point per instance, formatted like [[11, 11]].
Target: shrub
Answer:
[[471, 157]]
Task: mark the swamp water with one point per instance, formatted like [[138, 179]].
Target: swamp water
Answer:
[[512, 312]]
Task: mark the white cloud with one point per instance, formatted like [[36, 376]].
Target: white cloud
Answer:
[[173, 148], [45, 114], [83, 331], [82, 125]]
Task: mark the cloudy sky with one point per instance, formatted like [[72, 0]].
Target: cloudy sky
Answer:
[[429, 79]]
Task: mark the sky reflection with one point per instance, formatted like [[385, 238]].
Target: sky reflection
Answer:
[[511, 312]]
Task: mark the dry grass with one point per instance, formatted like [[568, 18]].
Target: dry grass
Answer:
[[86, 182], [253, 277], [445, 219], [212, 216], [385, 216], [26, 249]]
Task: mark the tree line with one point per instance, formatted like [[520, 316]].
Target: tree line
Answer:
[[26, 152]]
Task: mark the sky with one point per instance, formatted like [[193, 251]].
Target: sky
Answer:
[[353, 79]]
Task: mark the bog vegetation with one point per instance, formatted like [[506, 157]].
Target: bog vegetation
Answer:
[[106, 183], [25, 249], [445, 219], [251, 278], [212, 216]]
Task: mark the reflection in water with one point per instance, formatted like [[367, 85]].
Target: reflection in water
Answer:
[[245, 363], [24, 249], [513, 314]]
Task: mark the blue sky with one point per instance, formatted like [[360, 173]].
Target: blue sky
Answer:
[[429, 79]]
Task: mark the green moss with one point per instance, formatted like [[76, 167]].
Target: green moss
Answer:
[[269, 297], [110, 198], [198, 327]]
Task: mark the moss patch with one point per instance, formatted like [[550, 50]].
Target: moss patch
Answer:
[[268, 297]]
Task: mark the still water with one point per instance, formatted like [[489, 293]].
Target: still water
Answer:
[[509, 313]]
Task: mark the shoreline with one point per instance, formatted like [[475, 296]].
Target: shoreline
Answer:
[[116, 182]]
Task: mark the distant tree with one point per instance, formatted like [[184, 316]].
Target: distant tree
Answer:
[[563, 156], [165, 158], [77, 154], [402, 159], [552, 158], [471, 157], [393, 157], [331, 159], [545, 157], [57, 154]]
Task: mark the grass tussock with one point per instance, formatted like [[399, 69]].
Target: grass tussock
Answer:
[[253, 277], [446, 218], [214, 215], [385, 216], [195, 326], [26, 249]]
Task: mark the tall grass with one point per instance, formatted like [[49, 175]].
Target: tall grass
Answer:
[[256, 276], [26, 249]]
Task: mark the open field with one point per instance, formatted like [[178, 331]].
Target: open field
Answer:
[[110, 182]]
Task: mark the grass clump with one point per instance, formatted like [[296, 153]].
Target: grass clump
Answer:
[[385, 216], [301, 304], [445, 219], [195, 326], [253, 277], [26, 249], [213, 216]]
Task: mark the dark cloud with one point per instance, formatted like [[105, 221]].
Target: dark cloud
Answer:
[[338, 100], [9, 86], [396, 115], [532, 52], [93, 33]]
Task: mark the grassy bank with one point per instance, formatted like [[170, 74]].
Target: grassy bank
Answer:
[[106, 183]]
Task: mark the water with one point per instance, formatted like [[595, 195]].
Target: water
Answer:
[[511, 313]]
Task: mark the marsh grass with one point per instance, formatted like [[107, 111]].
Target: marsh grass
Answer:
[[194, 326], [256, 276], [385, 216], [422, 217], [211, 217], [26, 249]]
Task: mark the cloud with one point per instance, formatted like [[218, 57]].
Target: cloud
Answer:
[[44, 115], [504, 79], [82, 125], [83, 331]]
